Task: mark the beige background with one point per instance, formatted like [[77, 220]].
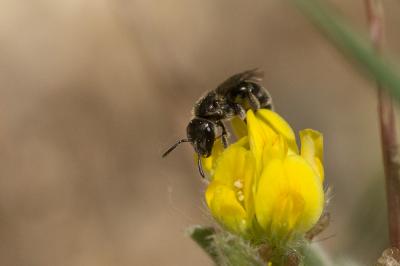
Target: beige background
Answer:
[[91, 93]]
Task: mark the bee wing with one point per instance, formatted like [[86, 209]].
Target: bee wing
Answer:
[[253, 75]]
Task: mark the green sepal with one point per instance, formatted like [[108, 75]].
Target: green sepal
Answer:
[[224, 248], [204, 237]]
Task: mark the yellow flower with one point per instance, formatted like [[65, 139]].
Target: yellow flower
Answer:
[[229, 194], [262, 187]]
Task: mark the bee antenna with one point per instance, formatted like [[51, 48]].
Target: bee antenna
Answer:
[[200, 166], [174, 146]]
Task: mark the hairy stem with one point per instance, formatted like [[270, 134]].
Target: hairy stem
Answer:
[[387, 121]]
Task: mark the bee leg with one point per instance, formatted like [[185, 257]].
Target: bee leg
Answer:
[[224, 134], [270, 106], [240, 111], [253, 101]]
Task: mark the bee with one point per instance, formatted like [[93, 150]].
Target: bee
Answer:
[[233, 97]]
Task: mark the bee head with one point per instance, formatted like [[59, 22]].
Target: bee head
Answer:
[[201, 133]]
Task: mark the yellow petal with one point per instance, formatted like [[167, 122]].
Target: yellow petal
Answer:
[[289, 197], [279, 125], [209, 163], [235, 169], [225, 207], [304, 181], [243, 142], [312, 150], [278, 149], [248, 173], [261, 137], [266, 128], [231, 165]]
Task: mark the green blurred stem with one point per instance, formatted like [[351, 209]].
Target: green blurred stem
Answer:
[[351, 44], [375, 15]]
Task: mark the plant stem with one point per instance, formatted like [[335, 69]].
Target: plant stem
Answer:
[[387, 121]]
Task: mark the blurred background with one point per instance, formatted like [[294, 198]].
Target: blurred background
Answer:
[[92, 92]]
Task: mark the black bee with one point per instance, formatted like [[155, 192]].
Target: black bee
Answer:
[[233, 97]]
